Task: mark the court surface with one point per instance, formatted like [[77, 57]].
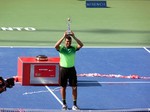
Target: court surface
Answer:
[[94, 91]]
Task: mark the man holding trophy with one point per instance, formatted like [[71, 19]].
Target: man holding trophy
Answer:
[[67, 68]]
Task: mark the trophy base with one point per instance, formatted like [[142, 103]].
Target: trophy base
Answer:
[[68, 32]]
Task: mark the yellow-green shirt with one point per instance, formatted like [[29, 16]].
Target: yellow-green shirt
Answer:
[[67, 56]]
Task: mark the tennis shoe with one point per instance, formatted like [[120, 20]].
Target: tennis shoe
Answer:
[[64, 107], [74, 107]]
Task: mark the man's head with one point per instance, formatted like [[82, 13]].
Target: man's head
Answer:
[[68, 40]]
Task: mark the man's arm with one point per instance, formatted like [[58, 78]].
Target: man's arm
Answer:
[[59, 41], [80, 44]]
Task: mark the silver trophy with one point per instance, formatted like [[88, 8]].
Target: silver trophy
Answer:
[[68, 26]]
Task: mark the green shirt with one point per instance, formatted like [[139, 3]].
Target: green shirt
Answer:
[[67, 56]]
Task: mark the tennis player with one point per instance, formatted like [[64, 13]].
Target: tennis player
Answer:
[[67, 68]]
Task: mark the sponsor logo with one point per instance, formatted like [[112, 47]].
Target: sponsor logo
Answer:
[[96, 4]]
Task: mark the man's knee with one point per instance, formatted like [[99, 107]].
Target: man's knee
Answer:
[[74, 88]]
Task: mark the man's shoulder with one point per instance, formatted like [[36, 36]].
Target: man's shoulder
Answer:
[[61, 47]]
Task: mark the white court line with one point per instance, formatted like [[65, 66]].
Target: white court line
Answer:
[[146, 49], [27, 47], [42, 91], [83, 46], [54, 95]]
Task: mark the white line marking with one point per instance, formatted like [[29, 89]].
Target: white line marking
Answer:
[[42, 91], [146, 49], [83, 47], [27, 47], [54, 95], [34, 92]]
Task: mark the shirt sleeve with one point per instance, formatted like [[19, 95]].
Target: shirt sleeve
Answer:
[[75, 47], [60, 48]]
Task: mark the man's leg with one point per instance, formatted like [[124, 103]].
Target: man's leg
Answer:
[[73, 84], [63, 95], [74, 95]]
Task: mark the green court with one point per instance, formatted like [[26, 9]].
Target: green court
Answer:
[[122, 23]]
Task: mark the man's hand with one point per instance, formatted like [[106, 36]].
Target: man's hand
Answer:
[[65, 34], [72, 34], [80, 44]]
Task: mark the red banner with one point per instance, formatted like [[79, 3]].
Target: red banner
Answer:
[[44, 71]]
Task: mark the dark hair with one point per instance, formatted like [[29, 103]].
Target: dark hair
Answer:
[[68, 37]]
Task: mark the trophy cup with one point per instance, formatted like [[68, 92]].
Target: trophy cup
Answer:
[[68, 26]]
